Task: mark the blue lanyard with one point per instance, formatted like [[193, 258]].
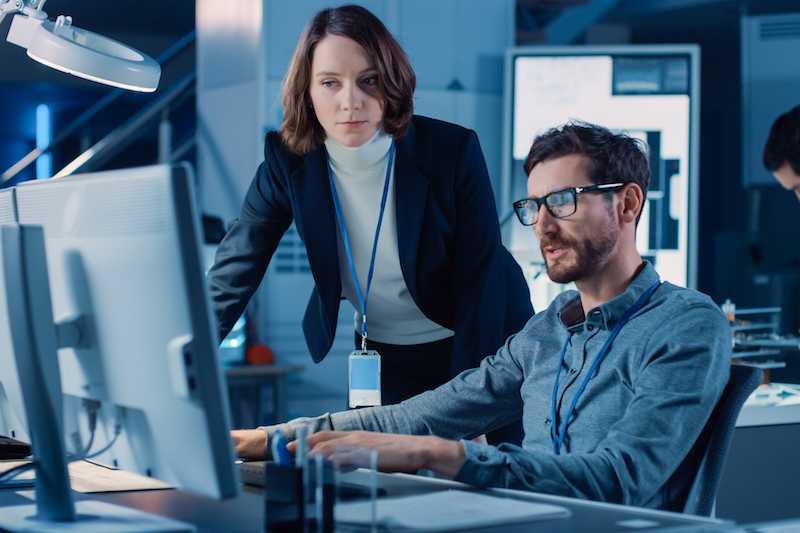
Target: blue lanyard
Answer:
[[362, 301], [559, 439]]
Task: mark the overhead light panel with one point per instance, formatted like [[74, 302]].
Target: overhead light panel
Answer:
[[60, 45]]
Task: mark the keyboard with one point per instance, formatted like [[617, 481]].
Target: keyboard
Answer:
[[254, 473], [13, 449]]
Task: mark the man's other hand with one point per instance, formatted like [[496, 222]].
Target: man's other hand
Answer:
[[249, 443]]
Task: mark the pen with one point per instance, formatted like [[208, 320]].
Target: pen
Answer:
[[300, 453]]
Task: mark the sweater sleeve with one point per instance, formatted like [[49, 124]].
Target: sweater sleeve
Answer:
[[245, 252], [474, 402]]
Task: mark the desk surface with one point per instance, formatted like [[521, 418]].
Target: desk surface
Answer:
[[244, 514], [247, 371], [585, 515], [776, 404]]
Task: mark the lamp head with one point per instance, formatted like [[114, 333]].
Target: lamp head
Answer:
[[60, 45]]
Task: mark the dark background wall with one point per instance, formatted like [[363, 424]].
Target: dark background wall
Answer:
[[749, 249]]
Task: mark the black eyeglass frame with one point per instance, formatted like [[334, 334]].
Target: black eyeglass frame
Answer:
[[521, 206]]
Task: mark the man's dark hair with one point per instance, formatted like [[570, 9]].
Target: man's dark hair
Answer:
[[783, 143], [614, 157]]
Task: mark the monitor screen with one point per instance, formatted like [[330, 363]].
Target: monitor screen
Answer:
[[650, 92], [124, 268], [12, 407]]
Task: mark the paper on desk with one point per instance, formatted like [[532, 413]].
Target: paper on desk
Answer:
[[88, 477], [450, 510]]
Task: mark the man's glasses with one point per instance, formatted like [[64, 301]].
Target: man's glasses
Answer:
[[560, 204]]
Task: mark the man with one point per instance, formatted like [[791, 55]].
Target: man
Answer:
[[644, 403], [782, 151]]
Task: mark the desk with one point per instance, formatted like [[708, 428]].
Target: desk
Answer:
[[586, 516], [759, 481], [244, 514], [771, 405], [244, 387]]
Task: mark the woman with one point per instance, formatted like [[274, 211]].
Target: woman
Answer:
[[396, 213]]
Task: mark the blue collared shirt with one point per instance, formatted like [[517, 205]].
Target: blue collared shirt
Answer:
[[633, 425]]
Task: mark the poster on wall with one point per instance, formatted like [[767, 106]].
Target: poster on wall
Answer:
[[649, 92]]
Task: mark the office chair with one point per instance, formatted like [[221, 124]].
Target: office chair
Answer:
[[713, 444]]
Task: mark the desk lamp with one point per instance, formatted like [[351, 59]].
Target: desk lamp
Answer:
[[62, 46]]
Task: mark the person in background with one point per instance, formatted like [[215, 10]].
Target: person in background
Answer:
[[782, 151], [396, 212], [614, 381]]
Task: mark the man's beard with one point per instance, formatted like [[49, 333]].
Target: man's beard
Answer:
[[590, 254]]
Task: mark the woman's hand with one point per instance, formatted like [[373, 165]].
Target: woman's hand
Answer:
[[249, 443]]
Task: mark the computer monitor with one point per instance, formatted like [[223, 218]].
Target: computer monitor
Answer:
[[12, 408], [135, 335], [649, 91]]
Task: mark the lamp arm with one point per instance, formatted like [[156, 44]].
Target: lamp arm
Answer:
[[10, 7], [7, 7]]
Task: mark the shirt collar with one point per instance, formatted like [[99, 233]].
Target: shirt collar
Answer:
[[608, 314]]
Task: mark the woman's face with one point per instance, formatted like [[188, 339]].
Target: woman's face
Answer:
[[344, 91]]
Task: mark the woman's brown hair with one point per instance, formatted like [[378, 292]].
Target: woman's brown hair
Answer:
[[301, 131]]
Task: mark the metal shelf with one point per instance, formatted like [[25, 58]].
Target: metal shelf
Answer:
[[789, 342], [757, 353]]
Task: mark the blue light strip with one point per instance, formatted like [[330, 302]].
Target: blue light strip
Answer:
[[44, 136]]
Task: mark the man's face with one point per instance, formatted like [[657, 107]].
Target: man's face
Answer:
[[578, 246], [787, 177]]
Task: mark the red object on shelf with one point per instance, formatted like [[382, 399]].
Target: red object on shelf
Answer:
[[258, 354]]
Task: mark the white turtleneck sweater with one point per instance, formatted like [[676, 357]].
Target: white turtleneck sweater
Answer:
[[359, 174]]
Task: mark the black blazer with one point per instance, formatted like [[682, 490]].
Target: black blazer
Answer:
[[451, 255]]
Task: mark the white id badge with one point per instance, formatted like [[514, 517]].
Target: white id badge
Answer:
[[365, 379]]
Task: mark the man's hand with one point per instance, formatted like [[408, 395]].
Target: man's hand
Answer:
[[249, 443], [396, 453]]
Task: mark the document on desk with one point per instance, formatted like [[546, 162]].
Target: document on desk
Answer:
[[88, 477], [450, 510]]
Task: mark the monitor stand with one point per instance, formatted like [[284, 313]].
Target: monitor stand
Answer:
[[33, 337], [91, 516]]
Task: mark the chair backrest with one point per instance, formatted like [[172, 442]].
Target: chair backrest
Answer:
[[715, 439]]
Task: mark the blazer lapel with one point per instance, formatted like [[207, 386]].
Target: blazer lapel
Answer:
[[411, 191], [316, 222]]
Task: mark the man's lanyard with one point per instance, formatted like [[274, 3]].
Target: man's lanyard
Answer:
[[559, 439], [362, 301]]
